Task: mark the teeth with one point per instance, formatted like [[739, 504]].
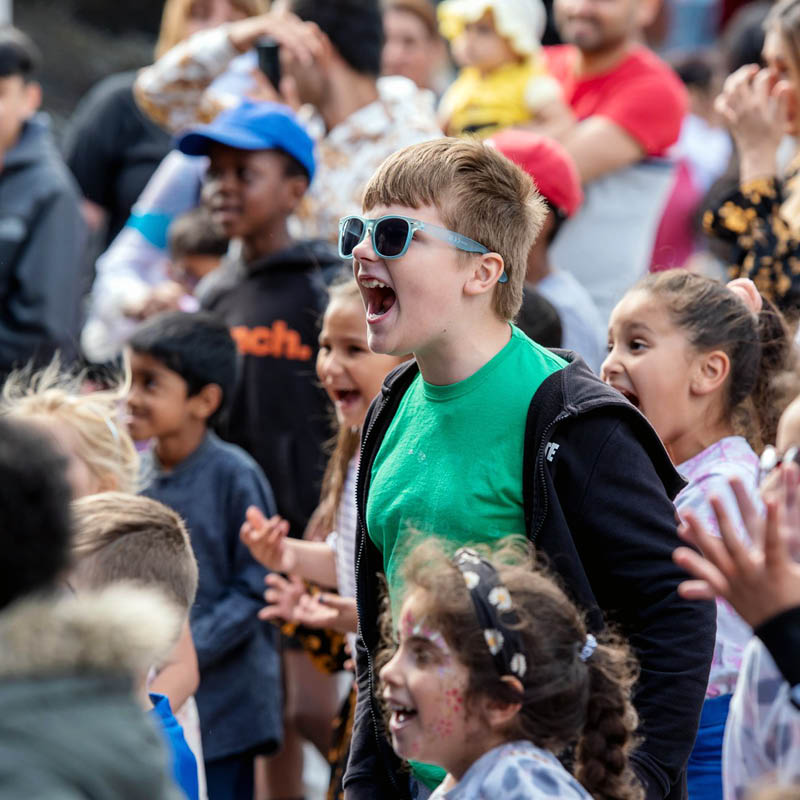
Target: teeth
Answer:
[[374, 284]]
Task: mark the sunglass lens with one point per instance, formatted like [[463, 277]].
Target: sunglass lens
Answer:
[[390, 236], [352, 233]]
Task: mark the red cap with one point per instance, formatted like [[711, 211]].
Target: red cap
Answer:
[[547, 162]]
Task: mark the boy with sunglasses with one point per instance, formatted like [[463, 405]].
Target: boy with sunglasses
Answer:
[[487, 434], [270, 290]]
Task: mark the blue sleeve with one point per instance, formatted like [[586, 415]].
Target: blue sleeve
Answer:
[[233, 618]]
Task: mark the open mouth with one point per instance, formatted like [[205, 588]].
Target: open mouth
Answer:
[[629, 396], [346, 396], [380, 298], [401, 716]]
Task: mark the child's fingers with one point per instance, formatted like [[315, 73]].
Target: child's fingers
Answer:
[[735, 557], [750, 514], [695, 590], [775, 551], [692, 531], [276, 580], [255, 516], [270, 612], [701, 568]]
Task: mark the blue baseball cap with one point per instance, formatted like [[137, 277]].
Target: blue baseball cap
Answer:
[[253, 126]]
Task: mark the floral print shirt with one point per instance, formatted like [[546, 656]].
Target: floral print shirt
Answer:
[[518, 770], [176, 93], [708, 473], [762, 222]]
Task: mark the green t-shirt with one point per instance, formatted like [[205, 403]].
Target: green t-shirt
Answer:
[[450, 464]]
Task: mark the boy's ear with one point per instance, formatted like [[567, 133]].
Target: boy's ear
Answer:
[[33, 98], [207, 400], [486, 271], [711, 371], [499, 713], [293, 190]]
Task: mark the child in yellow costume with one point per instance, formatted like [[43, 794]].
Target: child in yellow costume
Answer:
[[503, 79]]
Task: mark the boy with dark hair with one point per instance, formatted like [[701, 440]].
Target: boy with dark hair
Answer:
[[271, 294], [42, 233], [488, 434], [122, 537], [67, 665], [196, 247], [183, 372]]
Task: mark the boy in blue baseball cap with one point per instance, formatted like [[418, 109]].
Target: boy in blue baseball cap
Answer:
[[270, 291]]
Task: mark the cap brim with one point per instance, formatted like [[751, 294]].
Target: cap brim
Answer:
[[198, 142]]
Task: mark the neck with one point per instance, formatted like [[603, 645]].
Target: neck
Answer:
[[596, 63], [689, 444], [173, 449], [463, 353], [457, 770], [272, 238], [347, 92]]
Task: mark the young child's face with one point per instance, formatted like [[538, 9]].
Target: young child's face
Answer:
[[190, 268], [412, 301], [246, 190], [349, 371], [650, 361], [481, 46], [158, 401], [424, 688], [18, 102]]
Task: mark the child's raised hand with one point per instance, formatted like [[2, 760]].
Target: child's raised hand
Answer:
[[759, 581], [282, 597], [266, 540]]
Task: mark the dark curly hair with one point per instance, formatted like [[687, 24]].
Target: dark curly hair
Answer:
[[568, 705]]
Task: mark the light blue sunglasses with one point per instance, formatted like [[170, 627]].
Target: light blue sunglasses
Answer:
[[392, 234]]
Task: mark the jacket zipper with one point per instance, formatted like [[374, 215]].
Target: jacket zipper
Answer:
[[540, 471]]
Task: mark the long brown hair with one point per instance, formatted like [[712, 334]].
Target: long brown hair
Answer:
[[568, 702]]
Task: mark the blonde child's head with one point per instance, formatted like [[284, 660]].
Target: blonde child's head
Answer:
[[86, 425], [486, 34], [493, 651], [124, 537], [699, 360], [477, 193]]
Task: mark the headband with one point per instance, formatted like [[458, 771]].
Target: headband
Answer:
[[747, 292], [492, 603]]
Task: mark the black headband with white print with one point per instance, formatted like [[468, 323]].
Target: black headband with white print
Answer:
[[496, 617]]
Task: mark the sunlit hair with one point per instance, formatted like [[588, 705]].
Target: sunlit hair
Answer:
[[568, 703], [477, 192], [176, 15], [95, 417], [124, 537], [763, 378]]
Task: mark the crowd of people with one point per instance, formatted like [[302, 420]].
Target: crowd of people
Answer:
[[413, 381]]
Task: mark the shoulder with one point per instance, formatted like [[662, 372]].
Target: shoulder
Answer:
[[524, 770], [231, 461], [643, 72]]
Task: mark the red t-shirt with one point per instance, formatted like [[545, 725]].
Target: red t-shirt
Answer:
[[641, 94]]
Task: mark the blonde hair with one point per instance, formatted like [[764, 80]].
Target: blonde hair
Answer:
[[102, 441], [477, 192], [176, 14], [126, 537]]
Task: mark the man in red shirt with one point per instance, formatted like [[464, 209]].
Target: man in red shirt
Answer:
[[622, 103]]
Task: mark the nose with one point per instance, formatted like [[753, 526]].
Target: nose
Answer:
[[364, 251], [611, 365], [328, 366], [389, 672]]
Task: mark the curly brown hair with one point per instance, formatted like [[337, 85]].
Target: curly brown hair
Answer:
[[568, 704]]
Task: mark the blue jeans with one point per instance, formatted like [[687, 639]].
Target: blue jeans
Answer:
[[704, 771]]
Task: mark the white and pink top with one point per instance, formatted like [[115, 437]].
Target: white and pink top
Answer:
[[708, 473]]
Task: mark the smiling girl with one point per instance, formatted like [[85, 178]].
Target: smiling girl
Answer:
[[701, 361], [495, 675]]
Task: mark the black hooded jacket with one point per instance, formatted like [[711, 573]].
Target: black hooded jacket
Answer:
[[597, 495], [279, 413]]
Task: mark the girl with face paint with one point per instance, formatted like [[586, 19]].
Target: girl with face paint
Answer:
[[494, 675]]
